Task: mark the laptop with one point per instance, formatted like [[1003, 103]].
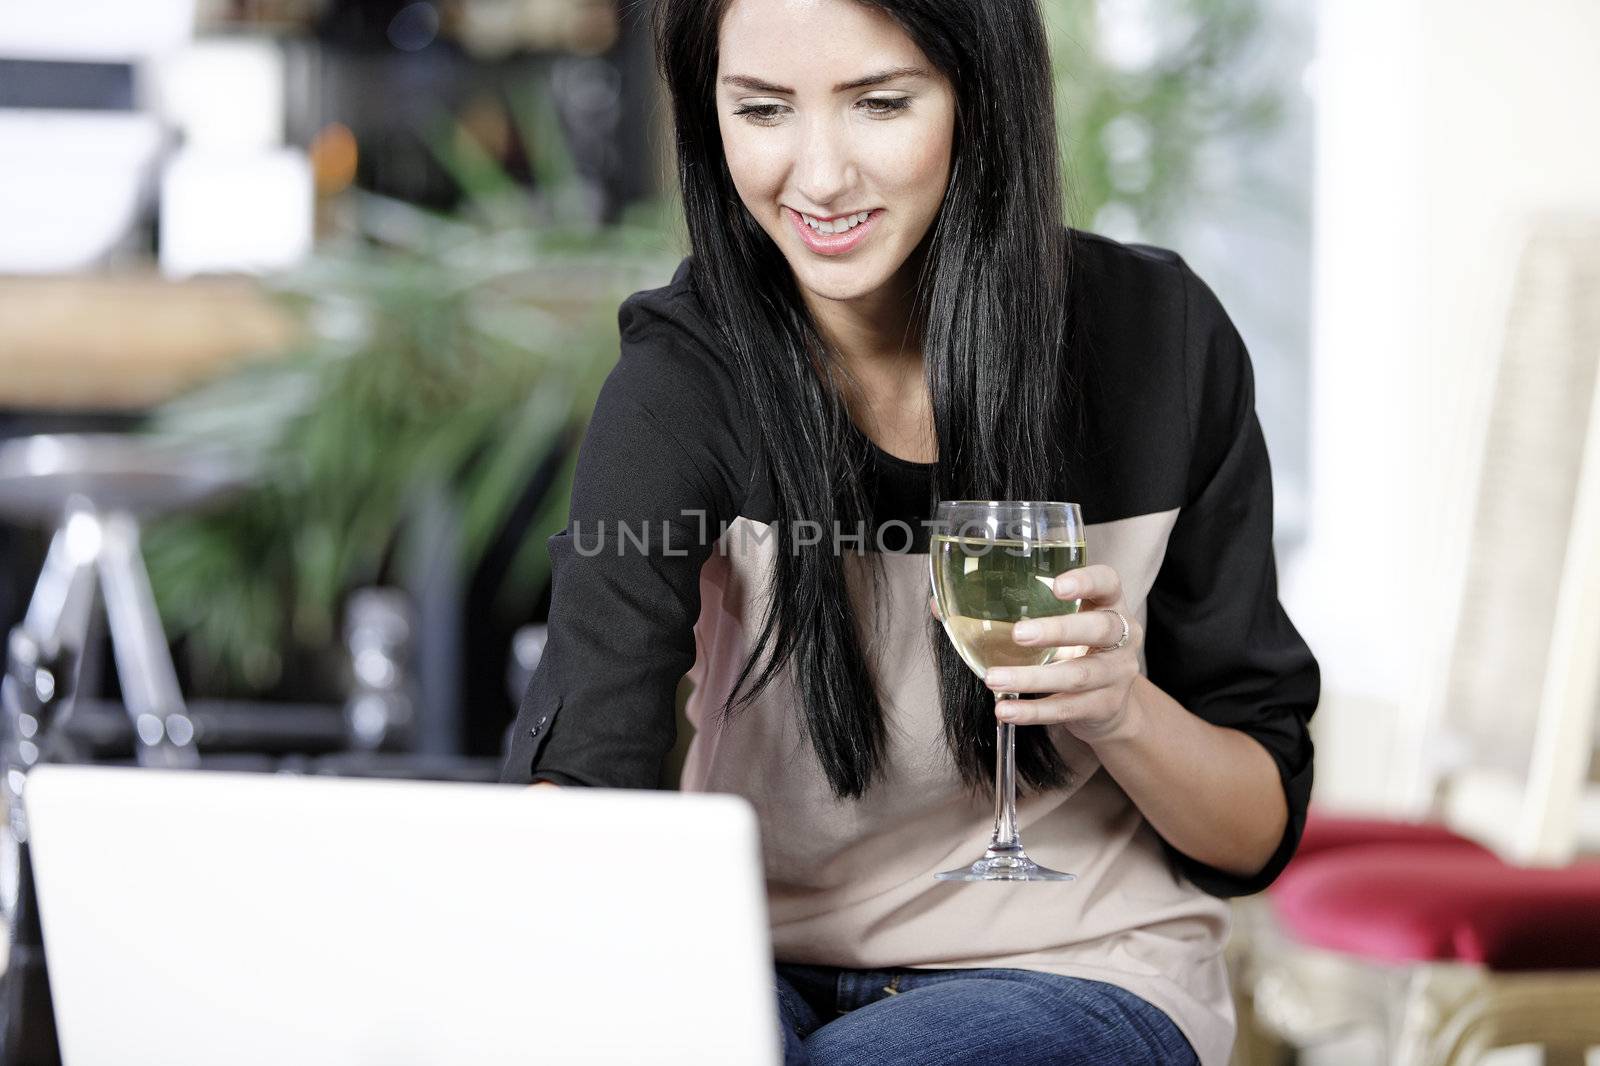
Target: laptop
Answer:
[[193, 918]]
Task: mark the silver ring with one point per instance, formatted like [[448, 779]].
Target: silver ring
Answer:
[[1122, 641]]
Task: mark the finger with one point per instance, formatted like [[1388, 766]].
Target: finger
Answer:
[[1084, 674], [1031, 712], [1090, 716], [1053, 710], [933, 605], [1098, 583], [1095, 629]]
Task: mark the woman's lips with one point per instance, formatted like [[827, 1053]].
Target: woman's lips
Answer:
[[832, 243]]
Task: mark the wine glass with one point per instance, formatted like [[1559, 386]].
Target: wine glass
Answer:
[[992, 564]]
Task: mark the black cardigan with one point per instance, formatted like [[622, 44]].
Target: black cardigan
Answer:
[[1169, 419]]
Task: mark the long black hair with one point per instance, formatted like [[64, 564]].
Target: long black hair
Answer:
[[990, 308]]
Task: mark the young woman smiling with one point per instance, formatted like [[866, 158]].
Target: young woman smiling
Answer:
[[882, 308]]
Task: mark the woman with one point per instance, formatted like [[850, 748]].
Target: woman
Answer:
[[882, 309]]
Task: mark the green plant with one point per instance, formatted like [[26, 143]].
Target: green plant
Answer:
[[1136, 129], [441, 359]]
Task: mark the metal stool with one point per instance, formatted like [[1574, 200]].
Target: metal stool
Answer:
[[95, 489]]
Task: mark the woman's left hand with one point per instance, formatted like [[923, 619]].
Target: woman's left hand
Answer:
[[1089, 694]]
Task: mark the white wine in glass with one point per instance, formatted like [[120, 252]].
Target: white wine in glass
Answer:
[[992, 564]]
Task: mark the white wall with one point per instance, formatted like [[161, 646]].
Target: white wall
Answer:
[[1438, 122]]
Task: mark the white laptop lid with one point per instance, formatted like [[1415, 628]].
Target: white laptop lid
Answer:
[[198, 918]]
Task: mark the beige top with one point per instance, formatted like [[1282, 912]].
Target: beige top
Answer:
[[850, 881], [1173, 478]]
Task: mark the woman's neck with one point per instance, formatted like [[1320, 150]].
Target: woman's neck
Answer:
[[880, 351], [868, 329]]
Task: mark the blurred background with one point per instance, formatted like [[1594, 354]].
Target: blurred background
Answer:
[[364, 257], [375, 248]]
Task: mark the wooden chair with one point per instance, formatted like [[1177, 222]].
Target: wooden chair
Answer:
[[1480, 926]]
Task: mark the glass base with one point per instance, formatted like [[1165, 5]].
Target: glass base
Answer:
[[1010, 864]]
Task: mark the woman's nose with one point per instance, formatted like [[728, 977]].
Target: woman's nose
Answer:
[[825, 169]]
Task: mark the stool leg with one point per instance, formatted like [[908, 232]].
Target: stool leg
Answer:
[[27, 1014], [41, 659], [58, 612], [165, 735], [35, 698]]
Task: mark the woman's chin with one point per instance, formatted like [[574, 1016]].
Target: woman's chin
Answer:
[[841, 282]]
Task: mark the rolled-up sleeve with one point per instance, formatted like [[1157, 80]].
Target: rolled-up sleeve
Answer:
[[656, 478], [1218, 640]]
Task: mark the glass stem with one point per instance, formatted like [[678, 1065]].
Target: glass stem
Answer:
[[1005, 785]]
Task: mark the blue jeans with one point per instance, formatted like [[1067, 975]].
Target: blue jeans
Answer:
[[839, 1017]]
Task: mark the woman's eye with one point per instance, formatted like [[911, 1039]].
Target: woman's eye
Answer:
[[760, 112], [886, 105], [766, 114]]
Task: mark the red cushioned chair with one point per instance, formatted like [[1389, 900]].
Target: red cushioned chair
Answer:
[[1451, 949], [1326, 833], [1289, 997], [1481, 928], [1399, 903]]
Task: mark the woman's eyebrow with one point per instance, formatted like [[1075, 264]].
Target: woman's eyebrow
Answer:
[[756, 85]]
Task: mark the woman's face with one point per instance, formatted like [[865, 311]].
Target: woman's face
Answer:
[[829, 112]]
